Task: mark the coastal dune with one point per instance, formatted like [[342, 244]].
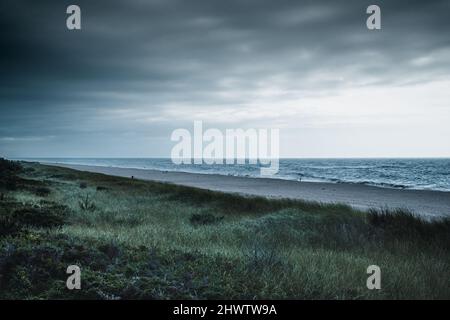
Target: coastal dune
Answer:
[[430, 204]]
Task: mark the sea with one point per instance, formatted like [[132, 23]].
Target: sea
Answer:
[[398, 173]]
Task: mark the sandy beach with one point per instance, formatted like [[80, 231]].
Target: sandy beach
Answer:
[[422, 202]]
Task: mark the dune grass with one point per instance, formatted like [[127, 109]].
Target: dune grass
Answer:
[[147, 240]]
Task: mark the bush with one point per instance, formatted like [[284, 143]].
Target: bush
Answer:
[[8, 174], [83, 185], [111, 249], [42, 191], [11, 183], [8, 167], [261, 255], [42, 217], [204, 219], [405, 224], [33, 267], [87, 204], [8, 225]]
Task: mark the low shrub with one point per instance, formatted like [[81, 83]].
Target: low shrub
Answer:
[[8, 225], [42, 191], [86, 204], [48, 216], [8, 167], [205, 219]]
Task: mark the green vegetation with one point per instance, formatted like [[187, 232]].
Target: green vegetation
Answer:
[[147, 240]]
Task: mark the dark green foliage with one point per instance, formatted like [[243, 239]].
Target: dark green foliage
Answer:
[[47, 216], [32, 264], [8, 167], [42, 191], [401, 225], [11, 179], [34, 267], [8, 174], [101, 188], [8, 225], [83, 185], [205, 219], [11, 183], [86, 204], [29, 170], [15, 216], [262, 256], [111, 249]]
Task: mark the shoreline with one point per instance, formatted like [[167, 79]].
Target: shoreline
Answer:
[[411, 179], [426, 203]]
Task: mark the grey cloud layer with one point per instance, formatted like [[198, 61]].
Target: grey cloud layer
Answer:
[[149, 56]]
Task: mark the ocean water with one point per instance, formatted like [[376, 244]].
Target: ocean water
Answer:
[[421, 174]]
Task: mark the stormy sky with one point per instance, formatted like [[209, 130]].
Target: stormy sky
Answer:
[[139, 69]]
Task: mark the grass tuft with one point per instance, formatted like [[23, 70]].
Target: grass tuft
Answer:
[[86, 204]]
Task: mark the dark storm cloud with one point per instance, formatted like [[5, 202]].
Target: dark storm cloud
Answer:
[[147, 56]]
